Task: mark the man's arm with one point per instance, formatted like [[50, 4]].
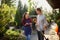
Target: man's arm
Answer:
[[45, 23], [37, 23]]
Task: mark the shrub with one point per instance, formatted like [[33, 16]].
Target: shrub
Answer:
[[14, 35]]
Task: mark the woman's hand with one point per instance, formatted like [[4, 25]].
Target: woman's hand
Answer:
[[30, 23], [26, 24]]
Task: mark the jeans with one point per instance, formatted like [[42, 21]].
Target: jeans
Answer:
[[28, 37]]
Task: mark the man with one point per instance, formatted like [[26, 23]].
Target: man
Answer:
[[41, 24]]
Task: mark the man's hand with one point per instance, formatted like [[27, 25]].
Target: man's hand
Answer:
[[37, 25], [45, 27]]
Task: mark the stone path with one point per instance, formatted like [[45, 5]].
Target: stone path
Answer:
[[34, 36]]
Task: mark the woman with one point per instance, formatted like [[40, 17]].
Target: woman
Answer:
[[26, 21]]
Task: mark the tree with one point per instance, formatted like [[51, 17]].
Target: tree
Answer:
[[11, 6], [32, 12], [20, 11], [30, 5], [25, 8]]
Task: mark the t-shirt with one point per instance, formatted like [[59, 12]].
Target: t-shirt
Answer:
[[41, 21]]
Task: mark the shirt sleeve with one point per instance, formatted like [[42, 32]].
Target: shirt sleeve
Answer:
[[45, 21], [38, 20], [30, 20], [23, 22]]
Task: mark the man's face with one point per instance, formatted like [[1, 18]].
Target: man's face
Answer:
[[38, 12]]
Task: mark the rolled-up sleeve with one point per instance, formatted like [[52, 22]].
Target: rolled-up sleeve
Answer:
[[30, 20], [38, 20]]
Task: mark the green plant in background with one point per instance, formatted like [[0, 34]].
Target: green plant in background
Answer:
[[13, 34], [48, 17], [32, 12], [19, 13], [29, 7], [13, 23], [5, 15], [54, 16], [8, 2], [7, 12], [58, 22], [58, 18]]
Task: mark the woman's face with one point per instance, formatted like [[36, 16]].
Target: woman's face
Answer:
[[27, 16]]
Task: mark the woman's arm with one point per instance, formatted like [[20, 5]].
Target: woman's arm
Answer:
[[30, 20], [23, 22]]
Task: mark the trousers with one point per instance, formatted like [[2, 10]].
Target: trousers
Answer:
[[40, 36]]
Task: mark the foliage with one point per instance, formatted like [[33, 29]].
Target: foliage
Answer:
[[14, 35], [48, 17], [30, 5], [12, 32], [19, 13], [12, 23], [54, 16], [58, 22], [21, 9], [32, 12], [8, 2], [6, 15]]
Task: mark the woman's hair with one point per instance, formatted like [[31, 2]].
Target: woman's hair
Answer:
[[24, 15], [38, 9]]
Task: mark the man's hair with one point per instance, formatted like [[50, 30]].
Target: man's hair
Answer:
[[38, 9]]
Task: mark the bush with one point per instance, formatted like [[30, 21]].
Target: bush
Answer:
[[58, 22], [12, 24], [14, 35], [6, 15]]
